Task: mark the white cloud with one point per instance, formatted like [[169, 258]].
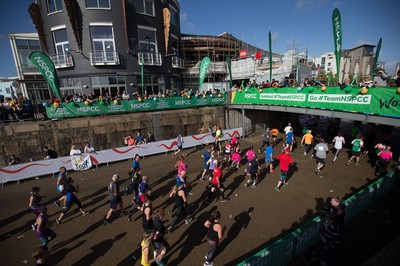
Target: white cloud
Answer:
[[184, 17], [309, 4], [186, 25]]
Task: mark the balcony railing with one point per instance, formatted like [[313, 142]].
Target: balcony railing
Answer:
[[149, 59], [62, 60], [104, 58], [178, 62]]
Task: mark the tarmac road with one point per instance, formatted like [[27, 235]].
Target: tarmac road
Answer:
[[252, 216]]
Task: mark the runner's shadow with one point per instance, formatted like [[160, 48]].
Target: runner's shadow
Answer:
[[101, 248], [58, 256], [292, 168], [191, 238], [242, 220], [237, 180]]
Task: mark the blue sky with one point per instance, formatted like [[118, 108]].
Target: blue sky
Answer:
[[304, 22]]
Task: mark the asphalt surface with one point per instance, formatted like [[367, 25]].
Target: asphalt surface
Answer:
[[253, 217]]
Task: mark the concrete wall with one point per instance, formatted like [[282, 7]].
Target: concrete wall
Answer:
[[27, 139]]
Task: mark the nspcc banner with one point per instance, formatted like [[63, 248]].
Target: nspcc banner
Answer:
[[130, 106], [378, 101]]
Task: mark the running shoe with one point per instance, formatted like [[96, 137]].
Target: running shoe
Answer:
[[357, 164], [188, 220], [106, 221], [253, 186], [225, 200], [348, 163], [277, 189], [58, 221], [208, 263], [160, 262], [85, 213], [33, 227], [57, 203]]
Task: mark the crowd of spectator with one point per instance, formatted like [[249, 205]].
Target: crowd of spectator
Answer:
[[12, 108]]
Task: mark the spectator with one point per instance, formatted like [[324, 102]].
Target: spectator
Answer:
[[150, 137], [129, 141], [49, 153], [13, 160], [397, 82], [367, 82], [139, 139], [381, 77], [74, 151], [125, 96], [283, 83], [88, 148]]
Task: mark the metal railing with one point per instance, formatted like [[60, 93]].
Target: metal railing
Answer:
[[104, 57], [62, 60], [149, 59], [178, 62]]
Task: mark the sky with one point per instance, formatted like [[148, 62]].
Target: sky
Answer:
[[305, 23]]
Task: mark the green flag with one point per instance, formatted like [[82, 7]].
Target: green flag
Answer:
[[229, 70], [270, 56], [45, 66], [205, 63], [378, 49], [337, 37]]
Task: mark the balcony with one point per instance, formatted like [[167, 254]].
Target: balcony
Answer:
[[101, 58], [149, 59], [62, 60], [178, 62]]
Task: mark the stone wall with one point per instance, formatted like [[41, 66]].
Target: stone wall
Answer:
[[27, 139]]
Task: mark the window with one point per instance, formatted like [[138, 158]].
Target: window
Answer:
[[103, 45], [24, 49], [145, 7], [147, 40], [329, 64], [54, 6], [61, 41], [98, 4], [174, 16], [111, 85]]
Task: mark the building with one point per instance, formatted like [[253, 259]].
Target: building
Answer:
[[30, 82], [358, 60], [104, 46]]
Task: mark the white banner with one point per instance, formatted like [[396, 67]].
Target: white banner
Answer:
[[45, 167], [81, 162]]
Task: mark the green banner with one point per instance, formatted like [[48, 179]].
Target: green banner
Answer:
[[378, 49], [378, 100], [128, 106], [45, 66], [270, 56], [337, 38], [205, 63]]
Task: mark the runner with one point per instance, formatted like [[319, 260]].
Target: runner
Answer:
[[43, 232], [180, 201], [148, 249], [216, 183], [356, 150], [265, 139], [61, 181], [339, 141], [269, 151], [274, 135], [253, 170], [307, 141], [284, 163], [161, 245], [385, 157], [71, 198], [206, 156], [35, 202], [290, 140], [214, 234], [115, 200], [180, 142], [236, 158], [321, 149], [147, 209]]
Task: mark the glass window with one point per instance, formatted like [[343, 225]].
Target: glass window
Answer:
[[24, 49], [145, 7], [147, 40], [103, 42], [54, 6], [98, 4], [61, 41], [174, 16]]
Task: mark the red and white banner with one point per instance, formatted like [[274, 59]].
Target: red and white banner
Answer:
[[243, 53], [46, 167]]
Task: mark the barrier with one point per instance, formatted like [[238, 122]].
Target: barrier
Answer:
[[45, 167], [283, 250]]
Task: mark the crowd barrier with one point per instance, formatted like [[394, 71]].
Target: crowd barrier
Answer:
[[283, 250], [46, 167]]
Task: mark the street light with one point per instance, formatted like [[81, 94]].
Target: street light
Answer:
[[147, 39]]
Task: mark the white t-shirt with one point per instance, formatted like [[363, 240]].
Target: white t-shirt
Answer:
[[287, 129], [338, 142]]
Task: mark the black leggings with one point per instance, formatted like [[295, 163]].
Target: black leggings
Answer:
[[69, 205]]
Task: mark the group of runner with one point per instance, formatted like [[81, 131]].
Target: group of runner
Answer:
[[154, 246]]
